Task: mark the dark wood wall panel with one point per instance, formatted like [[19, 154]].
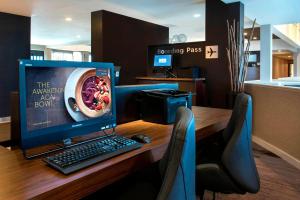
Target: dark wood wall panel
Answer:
[[124, 41], [214, 70], [14, 45], [182, 59], [217, 14]]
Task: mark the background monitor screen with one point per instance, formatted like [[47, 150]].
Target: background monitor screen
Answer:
[[252, 58], [162, 60], [59, 100]]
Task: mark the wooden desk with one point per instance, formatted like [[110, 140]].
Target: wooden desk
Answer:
[[26, 179], [194, 85], [4, 131]]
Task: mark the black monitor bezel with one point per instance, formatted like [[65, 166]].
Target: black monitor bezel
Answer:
[[30, 139]]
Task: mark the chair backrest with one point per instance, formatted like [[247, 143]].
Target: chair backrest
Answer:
[[178, 166], [237, 156]]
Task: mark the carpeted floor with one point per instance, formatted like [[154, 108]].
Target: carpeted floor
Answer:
[[279, 180]]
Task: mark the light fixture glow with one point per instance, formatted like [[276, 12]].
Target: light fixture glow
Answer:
[[254, 38], [245, 34], [197, 15], [68, 19]]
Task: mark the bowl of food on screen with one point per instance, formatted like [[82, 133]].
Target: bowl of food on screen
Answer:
[[93, 94]]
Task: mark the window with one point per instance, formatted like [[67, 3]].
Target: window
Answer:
[[77, 56], [36, 55], [66, 55]]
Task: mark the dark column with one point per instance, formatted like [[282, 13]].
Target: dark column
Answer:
[[14, 45], [217, 14], [124, 41], [214, 70]]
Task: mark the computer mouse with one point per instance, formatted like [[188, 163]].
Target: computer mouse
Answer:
[[141, 138]]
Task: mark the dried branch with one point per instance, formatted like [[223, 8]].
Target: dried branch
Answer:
[[238, 57]]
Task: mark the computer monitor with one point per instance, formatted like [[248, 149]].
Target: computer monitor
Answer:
[[60, 100], [252, 58], [163, 61]]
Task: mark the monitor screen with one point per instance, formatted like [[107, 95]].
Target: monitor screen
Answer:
[[60, 99], [162, 60], [252, 58]]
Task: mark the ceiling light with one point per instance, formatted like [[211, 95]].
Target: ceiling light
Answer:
[[289, 56], [68, 19], [197, 15], [254, 38], [245, 34]]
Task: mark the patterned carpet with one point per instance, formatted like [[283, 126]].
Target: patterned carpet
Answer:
[[279, 180]]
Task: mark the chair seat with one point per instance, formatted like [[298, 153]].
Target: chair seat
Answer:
[[213, 177], [235, 170]]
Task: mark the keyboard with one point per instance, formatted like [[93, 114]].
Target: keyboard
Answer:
[[83, 155]]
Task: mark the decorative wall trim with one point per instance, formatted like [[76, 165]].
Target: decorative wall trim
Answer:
[[282, 154]]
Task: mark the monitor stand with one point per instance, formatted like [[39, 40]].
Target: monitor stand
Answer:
[[169, 74]]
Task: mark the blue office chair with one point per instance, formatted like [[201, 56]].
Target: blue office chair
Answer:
[[235, 171], [176, 169]]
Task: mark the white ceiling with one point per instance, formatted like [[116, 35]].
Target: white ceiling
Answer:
[[284, 15], [273, 12], [50, 28], [291, 31]]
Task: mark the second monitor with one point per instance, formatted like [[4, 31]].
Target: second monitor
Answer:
[[164, 64], [163, 61]]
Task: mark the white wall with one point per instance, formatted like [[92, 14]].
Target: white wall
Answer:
[[85, 49], [278, 44], [276, 120]]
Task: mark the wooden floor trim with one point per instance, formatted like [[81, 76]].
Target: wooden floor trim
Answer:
[[282, 154]]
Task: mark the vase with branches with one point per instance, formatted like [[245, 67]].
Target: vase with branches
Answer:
[[238, 57]]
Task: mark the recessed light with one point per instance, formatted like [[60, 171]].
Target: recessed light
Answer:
[[197, 15], [68, 19]]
